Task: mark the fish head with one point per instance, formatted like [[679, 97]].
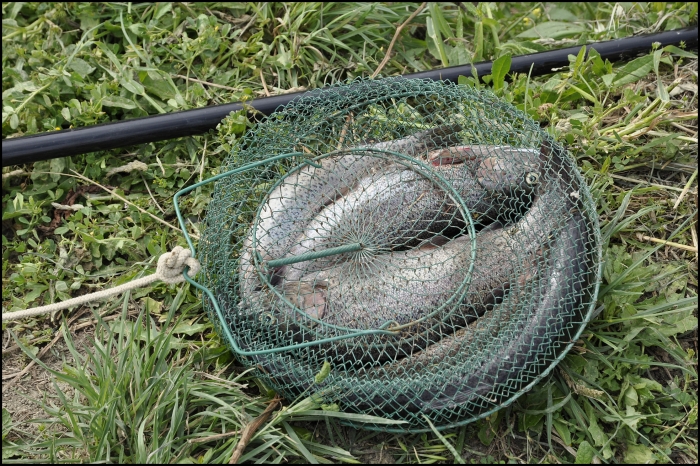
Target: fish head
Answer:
[[509, 168], [496, 169], [494, 166], [455, 155]]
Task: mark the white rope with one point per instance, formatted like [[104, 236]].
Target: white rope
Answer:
[[171, 266]]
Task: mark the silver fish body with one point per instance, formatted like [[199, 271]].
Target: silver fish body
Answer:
[[546, 306], [548, 315], [294, 202], [547, 309], [499, 251], [406, 285], [399, 208], [498, 168]]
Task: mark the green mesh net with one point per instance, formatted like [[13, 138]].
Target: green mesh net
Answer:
[[429, 241]]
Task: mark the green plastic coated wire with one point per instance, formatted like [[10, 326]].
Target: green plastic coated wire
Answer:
[[315, 255], [394, 229]]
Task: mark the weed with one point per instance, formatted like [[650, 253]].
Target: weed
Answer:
[[157, 385]]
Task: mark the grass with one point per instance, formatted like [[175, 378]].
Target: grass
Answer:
[[155, 383]]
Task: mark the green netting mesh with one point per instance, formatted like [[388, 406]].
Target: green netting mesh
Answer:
[[428, 240]]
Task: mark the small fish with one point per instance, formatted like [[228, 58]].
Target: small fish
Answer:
[[398, 208], [302, 194]]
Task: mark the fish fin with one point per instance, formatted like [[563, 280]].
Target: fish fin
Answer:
[[321, 284]]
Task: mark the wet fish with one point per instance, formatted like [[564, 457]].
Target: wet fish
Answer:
[[514, 348], [552, 304], [498, 168], [505, 259], [554, 310], [371, 289], [398, 208], [449, 346], [294, 202]]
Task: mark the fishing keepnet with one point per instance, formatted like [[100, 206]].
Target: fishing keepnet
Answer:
[[428, 242]]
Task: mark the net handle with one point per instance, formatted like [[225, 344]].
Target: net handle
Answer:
[[309, 256]]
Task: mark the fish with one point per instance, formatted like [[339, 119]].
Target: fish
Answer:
[[422, 290], [450, 345], [398, 289], [499, 167], [513, 348], [436, 359], [398, 208], [553, 303], [550, 313], [527, 349], [555, 223], [376, 288], [292, 204]]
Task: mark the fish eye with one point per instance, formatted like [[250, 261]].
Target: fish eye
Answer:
[[532, 178], [267, 318]]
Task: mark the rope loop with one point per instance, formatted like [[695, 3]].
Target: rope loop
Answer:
[[172, 264]]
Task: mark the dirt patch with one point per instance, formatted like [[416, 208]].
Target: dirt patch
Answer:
[[22, 397]]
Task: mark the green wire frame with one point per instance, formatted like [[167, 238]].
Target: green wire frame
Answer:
[[390, 109]]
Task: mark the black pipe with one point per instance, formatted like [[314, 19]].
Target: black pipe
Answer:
[[105, 136]]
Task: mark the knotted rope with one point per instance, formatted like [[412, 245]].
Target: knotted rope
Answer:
[[171, 266]]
